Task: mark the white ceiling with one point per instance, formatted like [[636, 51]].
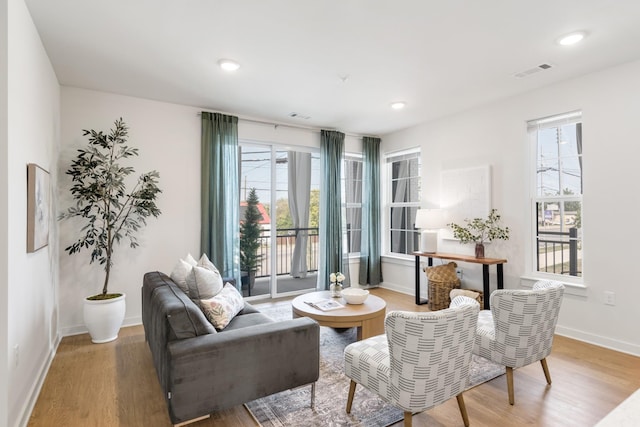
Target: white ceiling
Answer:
[[439, 56]]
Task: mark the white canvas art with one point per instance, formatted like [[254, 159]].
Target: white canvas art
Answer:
[[37, 207], [466, 193]]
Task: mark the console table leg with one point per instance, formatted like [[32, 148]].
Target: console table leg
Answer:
[[417, 277], [485, 285], [419, 301]]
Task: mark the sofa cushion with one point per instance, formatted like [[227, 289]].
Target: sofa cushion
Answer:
[[246, 320], [204, 283], [223, 307]]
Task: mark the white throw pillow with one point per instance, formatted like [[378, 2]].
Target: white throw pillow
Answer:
[[205, 263], [204, 283], [180, 273], [191, 260], [222, 308]]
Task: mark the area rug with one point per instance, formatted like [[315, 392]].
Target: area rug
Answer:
[[292, 407]]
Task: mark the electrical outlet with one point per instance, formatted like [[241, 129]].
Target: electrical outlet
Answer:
[[609, 298], [459, 273], [16, 354]]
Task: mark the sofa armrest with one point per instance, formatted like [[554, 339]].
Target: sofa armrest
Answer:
[[217, 371]]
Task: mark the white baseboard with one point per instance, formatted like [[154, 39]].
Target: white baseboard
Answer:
[[397, 288], [30, 403], [82, 329], [600, 341]]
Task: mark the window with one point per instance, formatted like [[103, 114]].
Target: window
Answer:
[[557, 196], [403, 200], [352, 176]]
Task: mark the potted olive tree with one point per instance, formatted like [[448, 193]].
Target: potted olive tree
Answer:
[[110, 213], [479, 230]]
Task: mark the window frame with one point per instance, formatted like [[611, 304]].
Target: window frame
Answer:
[[533, 129], [352, 157], [389, 204]]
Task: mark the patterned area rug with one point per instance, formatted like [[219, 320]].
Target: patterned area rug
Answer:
[[292, 407]]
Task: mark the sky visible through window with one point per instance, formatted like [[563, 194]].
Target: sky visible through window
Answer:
[[256, 172]]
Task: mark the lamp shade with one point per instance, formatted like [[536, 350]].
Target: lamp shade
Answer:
[[430, 219]]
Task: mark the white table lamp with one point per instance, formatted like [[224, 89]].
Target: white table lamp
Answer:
[[429, 221]]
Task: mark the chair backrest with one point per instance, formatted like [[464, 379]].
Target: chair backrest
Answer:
[[430, 353], [525, 321]]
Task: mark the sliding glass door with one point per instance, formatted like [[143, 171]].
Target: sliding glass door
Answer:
[[285, 188]]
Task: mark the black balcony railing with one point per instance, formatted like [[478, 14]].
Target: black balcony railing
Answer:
[[285, 245], [558, 252]]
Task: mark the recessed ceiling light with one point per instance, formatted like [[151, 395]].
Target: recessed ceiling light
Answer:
[[398, 105], [573, 38], [228, 64]]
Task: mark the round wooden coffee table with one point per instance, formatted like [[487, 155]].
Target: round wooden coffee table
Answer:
[[367, 317]]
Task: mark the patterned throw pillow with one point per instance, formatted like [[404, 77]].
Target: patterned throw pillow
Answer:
[[223, 307]]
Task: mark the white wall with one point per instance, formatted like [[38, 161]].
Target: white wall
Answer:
[[168, 139], [496, 135], [4, 213], [33, 116]]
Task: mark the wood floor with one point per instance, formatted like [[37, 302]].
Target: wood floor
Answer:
[[115, 384]]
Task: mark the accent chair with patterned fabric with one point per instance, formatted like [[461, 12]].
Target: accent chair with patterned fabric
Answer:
[[422, 360], [519, 328]]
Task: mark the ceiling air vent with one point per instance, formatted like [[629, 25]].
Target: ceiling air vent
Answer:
[[299, 116], [527, 73]]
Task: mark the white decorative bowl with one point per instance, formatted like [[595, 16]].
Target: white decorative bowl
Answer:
[[355, 295]]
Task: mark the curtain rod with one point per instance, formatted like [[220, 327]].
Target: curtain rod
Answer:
[[277, 125]]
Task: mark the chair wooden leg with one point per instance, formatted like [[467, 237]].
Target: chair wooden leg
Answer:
[[463, 410], [408, 419], [545, 368], [510, 384], [352, 391]]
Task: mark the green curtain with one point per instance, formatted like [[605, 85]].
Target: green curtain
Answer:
[[332, 257], [370, 261], [220, 193]]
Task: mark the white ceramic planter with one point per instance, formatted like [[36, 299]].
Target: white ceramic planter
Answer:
[[104, 318]]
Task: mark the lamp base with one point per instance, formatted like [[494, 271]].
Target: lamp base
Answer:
[[429, 241]]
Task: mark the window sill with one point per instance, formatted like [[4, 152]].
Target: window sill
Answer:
[[406, 260], [571, 288]]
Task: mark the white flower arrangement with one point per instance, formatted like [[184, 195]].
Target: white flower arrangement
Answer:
[[336, 277]]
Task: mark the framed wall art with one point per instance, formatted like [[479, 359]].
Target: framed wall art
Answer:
[[37, 207]]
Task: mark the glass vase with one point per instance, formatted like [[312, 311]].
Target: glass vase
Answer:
[[335, 290]]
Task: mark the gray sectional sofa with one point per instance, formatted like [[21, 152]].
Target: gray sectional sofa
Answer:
[[202, 370]]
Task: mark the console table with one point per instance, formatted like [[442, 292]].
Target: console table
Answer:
[[486, 262]]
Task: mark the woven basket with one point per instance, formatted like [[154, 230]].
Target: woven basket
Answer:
[[439, 294], [442, 279]]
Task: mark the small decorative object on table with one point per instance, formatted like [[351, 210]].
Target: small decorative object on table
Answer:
[[480, 230], [355, 295], [336, 284]]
